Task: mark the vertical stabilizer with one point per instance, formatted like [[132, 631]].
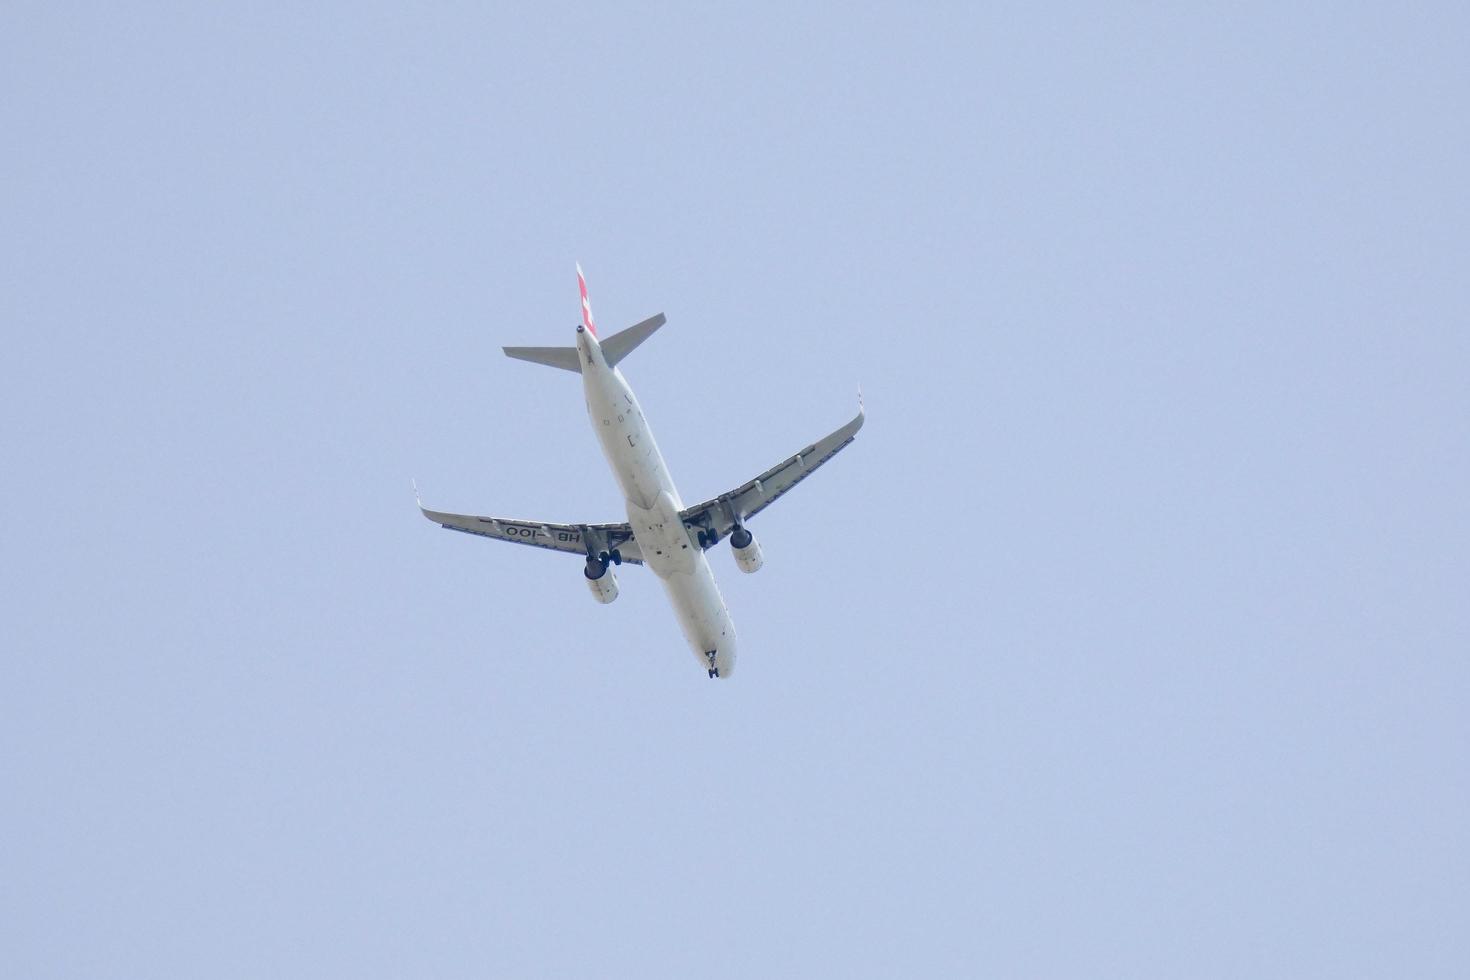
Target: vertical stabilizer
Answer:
[[586, 303]]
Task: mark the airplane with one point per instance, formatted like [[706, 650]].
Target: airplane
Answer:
[[660, 532]]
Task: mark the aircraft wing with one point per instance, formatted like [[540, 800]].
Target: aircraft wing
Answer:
[[574, 539], [722, 513]]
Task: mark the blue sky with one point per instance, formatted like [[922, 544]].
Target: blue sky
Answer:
[[1129, 638]]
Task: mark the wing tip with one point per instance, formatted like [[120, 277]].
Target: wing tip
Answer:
[[431, 515]]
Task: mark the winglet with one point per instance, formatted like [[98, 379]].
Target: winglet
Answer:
[[416, 498], [586, 303]]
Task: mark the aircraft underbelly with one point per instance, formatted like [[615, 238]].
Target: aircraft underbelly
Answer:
[[653, 505], [661, 536], [702, 615]]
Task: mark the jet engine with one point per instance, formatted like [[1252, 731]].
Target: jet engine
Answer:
[[601, 580], [747, 551]]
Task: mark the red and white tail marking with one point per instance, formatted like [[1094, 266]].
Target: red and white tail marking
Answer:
[[586, 303]]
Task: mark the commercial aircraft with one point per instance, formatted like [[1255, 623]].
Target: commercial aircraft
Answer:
[[660, 532]]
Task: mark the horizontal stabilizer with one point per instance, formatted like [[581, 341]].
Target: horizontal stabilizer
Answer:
[[565, 358], [621, 344]]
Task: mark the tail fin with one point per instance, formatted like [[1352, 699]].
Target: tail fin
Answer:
[[614, 348], [620, 344], [586, 303]]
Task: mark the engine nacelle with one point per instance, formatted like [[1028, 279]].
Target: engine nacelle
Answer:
[[747, 550], [601, 580]]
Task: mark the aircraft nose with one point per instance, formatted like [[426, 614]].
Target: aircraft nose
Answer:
[[725, 657]]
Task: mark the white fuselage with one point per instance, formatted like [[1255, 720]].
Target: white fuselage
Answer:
[[653, 509]]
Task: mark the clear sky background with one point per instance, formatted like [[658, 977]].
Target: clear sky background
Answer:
[[1129, 639]]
